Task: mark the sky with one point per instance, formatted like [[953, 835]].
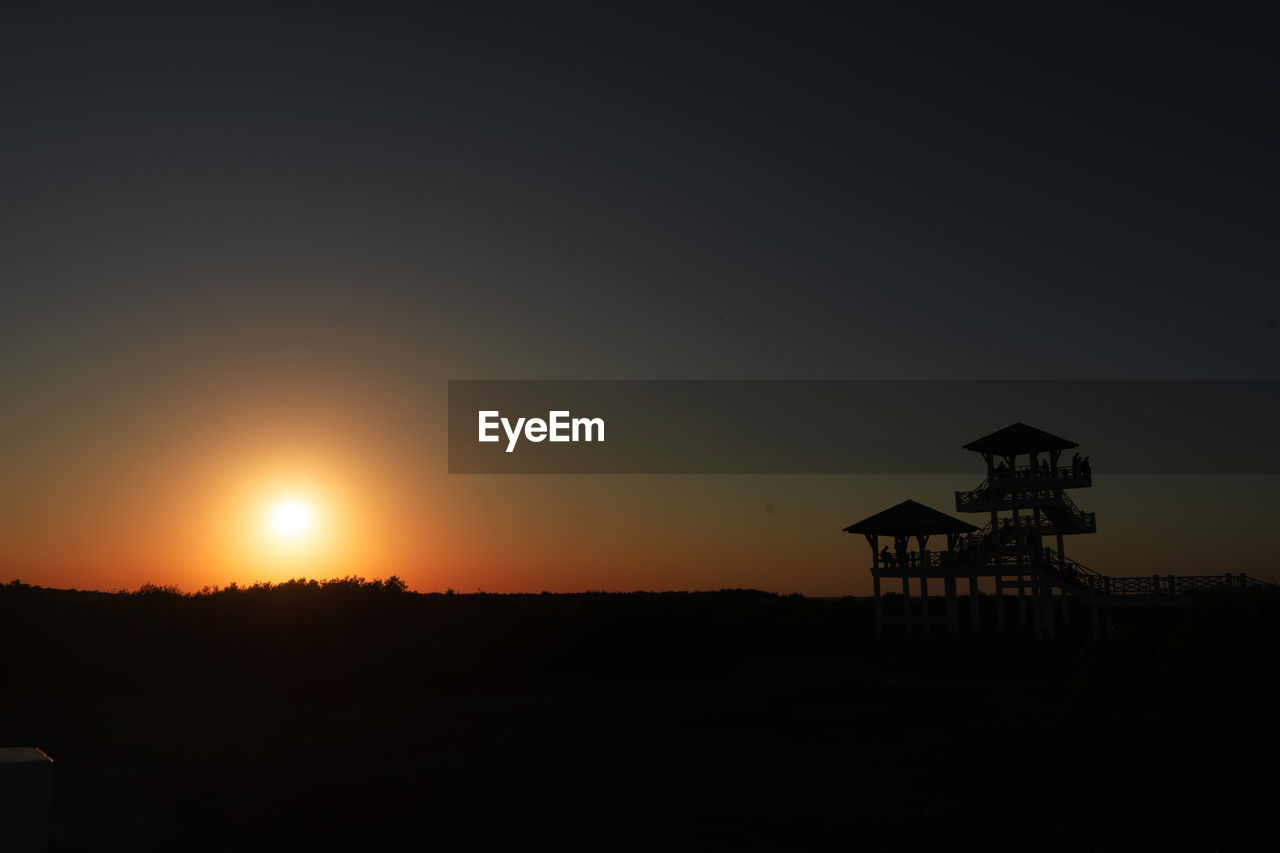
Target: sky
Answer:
[[245, 247]]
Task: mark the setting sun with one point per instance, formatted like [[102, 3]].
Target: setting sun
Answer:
[[291, 520]]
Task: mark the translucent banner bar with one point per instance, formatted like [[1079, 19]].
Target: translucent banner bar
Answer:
[[853, 427]]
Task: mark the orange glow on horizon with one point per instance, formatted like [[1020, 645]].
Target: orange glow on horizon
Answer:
[[277, 504]]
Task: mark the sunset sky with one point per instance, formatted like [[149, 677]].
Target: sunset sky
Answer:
[[244, 248]]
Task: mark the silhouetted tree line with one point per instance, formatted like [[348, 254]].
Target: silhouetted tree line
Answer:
[[308, 637]]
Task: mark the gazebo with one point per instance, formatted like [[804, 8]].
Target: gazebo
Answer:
[[902, 523]]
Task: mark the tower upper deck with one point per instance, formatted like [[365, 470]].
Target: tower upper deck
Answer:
[[1019, 439], [1039, 483]]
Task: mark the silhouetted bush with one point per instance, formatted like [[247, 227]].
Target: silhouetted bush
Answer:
[[350, 634]]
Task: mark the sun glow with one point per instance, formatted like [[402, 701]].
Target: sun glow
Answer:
[[294, 507], [291, 520]]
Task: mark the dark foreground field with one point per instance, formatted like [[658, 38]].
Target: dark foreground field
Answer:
[[361, 717]]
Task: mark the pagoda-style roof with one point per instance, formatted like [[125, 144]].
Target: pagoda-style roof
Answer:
[[910, 519], [1019, 438]]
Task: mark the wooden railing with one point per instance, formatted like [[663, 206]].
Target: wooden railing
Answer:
[[1082, 576], [915, 560], [1087, 520], [1080, 475], [1068, 572], [1049, 497]]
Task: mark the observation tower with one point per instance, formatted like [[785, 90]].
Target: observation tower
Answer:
[[1021, 548]]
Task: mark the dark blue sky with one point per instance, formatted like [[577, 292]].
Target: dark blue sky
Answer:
[[753, 192]]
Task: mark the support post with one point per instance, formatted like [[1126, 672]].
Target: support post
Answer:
[[953, 607], [906, 604], [1000, 604], [1037, 608], [975, 605], [1046, 599], [924, 603], [875, 581], [1022, 601]]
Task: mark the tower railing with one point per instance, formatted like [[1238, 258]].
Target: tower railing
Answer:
[[1080, 575], [980, 549], [1068, 476], [1086, 520], [1049, 497]]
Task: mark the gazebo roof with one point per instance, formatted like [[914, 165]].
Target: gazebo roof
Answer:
[[910, 519], [1019, 438]]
